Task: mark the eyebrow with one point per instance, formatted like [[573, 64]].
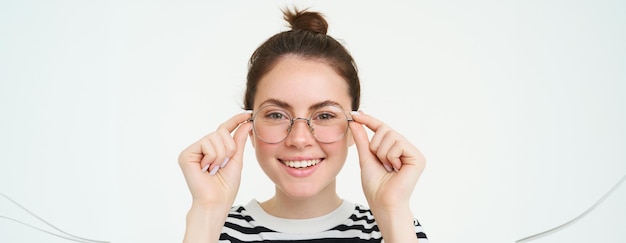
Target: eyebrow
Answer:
[[323, 104], [285, 105], [275, 102]]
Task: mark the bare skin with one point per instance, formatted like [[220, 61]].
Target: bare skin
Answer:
[[390, 164]]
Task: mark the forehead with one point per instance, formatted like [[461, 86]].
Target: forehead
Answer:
[[301, 82]]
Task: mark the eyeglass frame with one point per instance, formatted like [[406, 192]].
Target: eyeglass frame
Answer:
[[293, 121]]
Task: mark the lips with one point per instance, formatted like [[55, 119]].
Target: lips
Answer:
[[301, 163]]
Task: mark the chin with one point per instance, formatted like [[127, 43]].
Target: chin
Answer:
[[300, 192]]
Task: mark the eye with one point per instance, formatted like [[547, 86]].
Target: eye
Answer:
[[324, 116], [275, 115]]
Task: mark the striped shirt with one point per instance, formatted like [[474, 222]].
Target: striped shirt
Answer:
[[348, 223]]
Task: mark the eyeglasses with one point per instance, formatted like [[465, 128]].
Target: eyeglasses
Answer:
[[272, 124]]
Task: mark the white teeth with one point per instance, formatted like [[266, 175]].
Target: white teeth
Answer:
[[301, 163]]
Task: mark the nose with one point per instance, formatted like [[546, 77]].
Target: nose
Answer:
[[300, 134]]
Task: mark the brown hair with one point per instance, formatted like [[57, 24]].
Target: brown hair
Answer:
[[307, 39]]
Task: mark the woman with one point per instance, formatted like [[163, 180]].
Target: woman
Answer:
[[302, 85]]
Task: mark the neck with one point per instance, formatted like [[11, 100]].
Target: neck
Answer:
[[283, 206]]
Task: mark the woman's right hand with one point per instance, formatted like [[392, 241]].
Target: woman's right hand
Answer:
[[212, 166]]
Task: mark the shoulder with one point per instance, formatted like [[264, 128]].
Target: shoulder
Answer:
[[363, 216], [241, 227], [239, 215], [239, 212], [349, 222]]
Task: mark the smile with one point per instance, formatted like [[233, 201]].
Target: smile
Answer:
[[301, 163]]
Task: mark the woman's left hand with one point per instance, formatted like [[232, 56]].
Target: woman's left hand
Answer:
[[390, 164]]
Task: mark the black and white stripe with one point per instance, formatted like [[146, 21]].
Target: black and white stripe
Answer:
[[349, 223]]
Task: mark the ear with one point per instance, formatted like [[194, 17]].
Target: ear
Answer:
[[252, 141], [350, 138]]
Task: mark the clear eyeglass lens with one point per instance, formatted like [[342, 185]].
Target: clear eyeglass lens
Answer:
[[328, 124]]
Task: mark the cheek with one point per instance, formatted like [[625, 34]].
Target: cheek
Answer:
[[263, 150], [338, 149]]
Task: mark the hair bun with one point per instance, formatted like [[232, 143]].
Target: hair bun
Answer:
[[303, 20]]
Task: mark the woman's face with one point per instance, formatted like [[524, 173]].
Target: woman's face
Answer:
[[297, 86]]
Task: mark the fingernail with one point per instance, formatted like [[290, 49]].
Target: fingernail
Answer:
[[387, 167], [246, 112], [395, 168], [355, 113], [214, 170], [225, 162], [206, 167]]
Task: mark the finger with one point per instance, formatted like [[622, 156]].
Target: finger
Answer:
[[394, 154], [193, 156], [380, 132], [231, 124], [217, 148], [379, 137], [367, 120], [204, 151], [382, 151], [237, 143], [240, 138], [230, 143], [402, 152], [227, 146], [378, 127], [207, 153], [362, 143], [219, 152], [235, 162]]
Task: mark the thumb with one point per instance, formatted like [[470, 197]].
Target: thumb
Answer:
[[240, 137], [361, 141]]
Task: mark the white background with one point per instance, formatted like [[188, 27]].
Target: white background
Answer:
[[517, 105]]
